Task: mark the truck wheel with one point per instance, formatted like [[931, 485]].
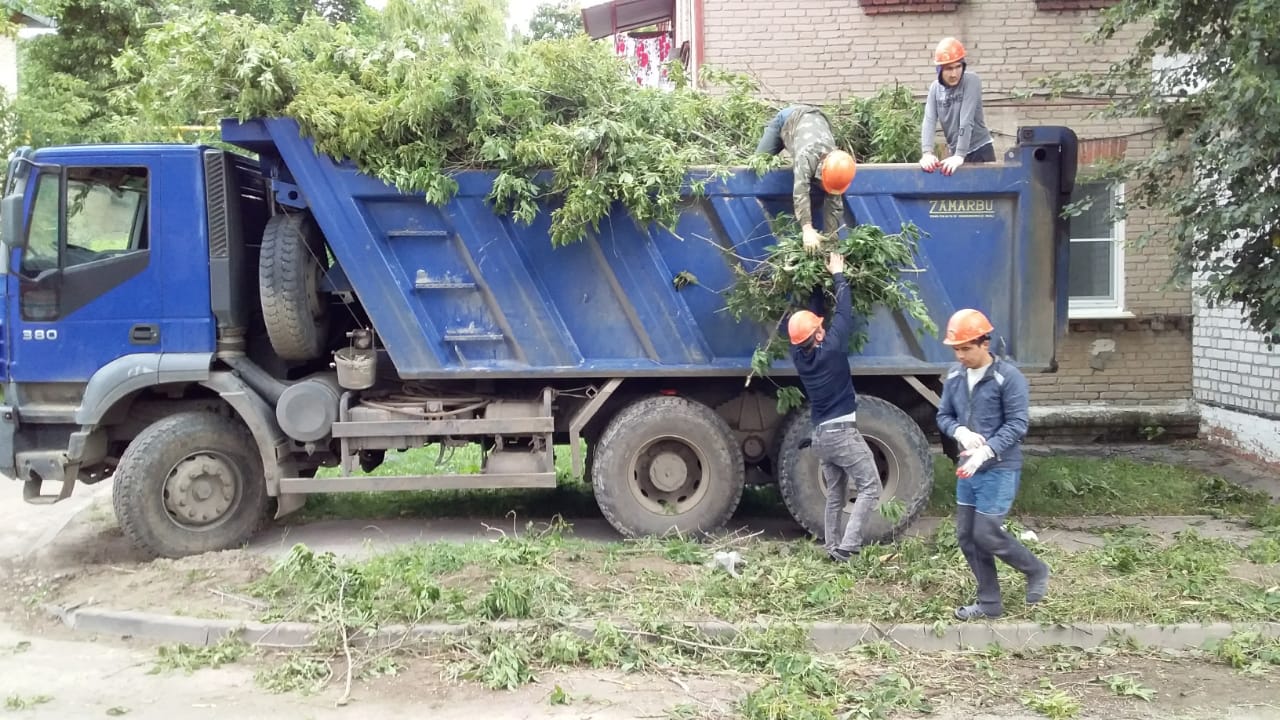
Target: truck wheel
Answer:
[[190, 483], [290, 267], [664, 464], [901, 452]]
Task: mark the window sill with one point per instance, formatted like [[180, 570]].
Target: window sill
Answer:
[[1099, 314]]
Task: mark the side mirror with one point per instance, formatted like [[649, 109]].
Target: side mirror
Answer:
[[11, 228]]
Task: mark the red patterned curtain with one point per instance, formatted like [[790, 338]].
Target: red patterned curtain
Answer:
[[647, 53]]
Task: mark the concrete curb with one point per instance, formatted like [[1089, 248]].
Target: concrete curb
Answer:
[[826, 637]]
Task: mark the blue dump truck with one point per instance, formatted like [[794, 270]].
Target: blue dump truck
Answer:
[[210, 330]]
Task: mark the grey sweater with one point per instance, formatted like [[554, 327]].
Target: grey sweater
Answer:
[[960, 111]]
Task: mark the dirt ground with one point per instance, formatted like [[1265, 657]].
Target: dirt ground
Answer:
[[53, 676], [83, 559], [90, 563]]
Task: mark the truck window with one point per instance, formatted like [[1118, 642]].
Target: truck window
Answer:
[[106, 217]]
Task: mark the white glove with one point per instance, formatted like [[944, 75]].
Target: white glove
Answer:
[[975, 460], [928, 162], [811, 239], [950, 164], [968, 439]]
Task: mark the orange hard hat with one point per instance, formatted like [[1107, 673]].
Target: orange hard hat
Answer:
[[949, 51], [966, 326], [838, 169], [802, 325]]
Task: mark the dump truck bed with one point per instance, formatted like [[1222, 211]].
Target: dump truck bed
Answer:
[[462, 291]]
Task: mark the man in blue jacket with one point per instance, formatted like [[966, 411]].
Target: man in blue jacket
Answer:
[[821, 358], [985, 408]]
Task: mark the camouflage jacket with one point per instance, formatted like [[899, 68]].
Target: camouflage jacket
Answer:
[[807, 136]]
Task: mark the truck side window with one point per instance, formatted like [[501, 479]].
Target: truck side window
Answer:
[[42, 239], [106, 217]]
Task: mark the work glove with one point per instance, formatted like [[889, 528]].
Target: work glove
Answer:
[[975, 460], [928, 162], [968, 439], [812, 239], [951, 164]]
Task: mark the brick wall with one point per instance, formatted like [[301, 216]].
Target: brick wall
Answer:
[[1139, 361], [1234, 368], [1236, 379], [819, 50]]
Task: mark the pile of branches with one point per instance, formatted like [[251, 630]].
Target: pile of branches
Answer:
[[436, 86]]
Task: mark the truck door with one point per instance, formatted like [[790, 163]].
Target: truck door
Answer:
[[85, 291]]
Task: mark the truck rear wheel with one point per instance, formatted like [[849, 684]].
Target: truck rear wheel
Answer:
[[901, 453], [190, 483], [664, 464], [290, 267]]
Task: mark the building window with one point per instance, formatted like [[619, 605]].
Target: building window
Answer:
[[1096, 275]]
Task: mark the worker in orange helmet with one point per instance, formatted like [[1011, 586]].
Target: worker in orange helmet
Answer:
[[984, 407], [806, 133], [821, 358], [955, 100]]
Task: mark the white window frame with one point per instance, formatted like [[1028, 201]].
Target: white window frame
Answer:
[[1109, 307]]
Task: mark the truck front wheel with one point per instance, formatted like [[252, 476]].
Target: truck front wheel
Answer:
[[188, 484], [667, 464]]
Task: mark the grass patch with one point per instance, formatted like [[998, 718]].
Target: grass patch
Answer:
[[553, 576], [1080, 486], [1051, 487]]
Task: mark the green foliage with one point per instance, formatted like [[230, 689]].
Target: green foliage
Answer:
[[69, 91], [1052, 702], [556, 20], [1211, 172], [1247, 651], [784, 280], [298, 673], [73, 89], [24, 702], [188, 658], [1127, 686], [441, 88]]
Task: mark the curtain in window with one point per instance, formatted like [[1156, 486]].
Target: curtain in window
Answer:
[[647, 53]]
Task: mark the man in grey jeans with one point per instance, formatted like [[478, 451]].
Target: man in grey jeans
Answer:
[[821, 358]]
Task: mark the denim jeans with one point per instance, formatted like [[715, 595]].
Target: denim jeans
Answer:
[[982, 502], [845, 458]]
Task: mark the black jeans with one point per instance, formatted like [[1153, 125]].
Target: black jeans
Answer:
[[984, 154]]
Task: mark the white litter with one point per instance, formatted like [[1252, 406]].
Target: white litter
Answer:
[[727, 560]]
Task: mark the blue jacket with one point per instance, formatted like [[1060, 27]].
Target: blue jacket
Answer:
[[998, 410], [824, 368]]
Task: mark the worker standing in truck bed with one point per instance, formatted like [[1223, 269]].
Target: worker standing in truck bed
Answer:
[[806, 133], [955, 100]]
